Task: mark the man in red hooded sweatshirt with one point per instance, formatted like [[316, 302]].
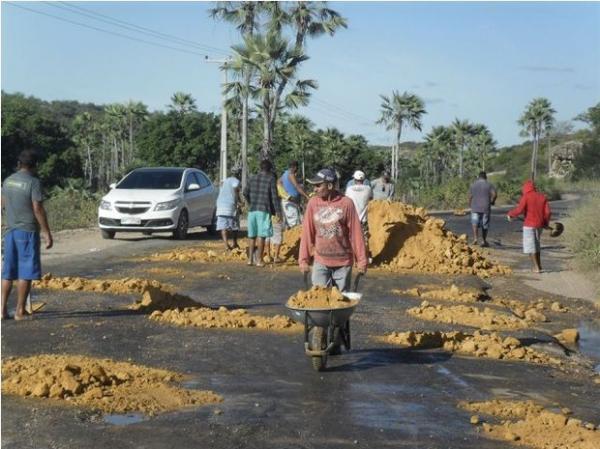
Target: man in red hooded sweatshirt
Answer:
[[331, 235], [534, 206]]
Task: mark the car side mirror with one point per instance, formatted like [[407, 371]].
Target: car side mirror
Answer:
[[113, 185], [193, 187]]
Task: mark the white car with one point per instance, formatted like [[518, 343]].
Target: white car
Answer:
[[159, 200]]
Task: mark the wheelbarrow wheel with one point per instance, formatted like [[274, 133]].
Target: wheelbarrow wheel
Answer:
[[318, 340]]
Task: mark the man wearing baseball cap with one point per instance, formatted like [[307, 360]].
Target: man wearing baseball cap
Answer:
[[332, 237]]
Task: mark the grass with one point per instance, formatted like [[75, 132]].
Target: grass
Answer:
[[582, 235]]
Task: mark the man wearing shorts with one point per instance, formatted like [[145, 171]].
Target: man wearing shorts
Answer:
[[263, 200], [25, 215], [332, 237], [534, 205], [227, 209], [294, 193], [482, 196]]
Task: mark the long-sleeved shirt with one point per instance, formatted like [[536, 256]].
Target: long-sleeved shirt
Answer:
[[261, 193], [534, 205], [332, 234]]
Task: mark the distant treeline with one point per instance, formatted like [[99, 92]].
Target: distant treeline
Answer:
[[92, 145]]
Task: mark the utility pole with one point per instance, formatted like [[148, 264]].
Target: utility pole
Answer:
[[223, 157]]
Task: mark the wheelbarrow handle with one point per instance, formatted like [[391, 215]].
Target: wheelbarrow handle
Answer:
[[356, 280], [306, 286]]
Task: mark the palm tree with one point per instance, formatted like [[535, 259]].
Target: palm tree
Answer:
[[135, 113], [272, 62], [300, 135], [397, 112], [439, 142], [484, 143], [462, 131], [182, 103], [245, 15], [537, 119]]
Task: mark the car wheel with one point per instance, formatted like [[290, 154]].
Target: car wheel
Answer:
[[180, 233], [107, 235]]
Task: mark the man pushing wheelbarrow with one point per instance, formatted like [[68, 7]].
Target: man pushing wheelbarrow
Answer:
[[332, 240]]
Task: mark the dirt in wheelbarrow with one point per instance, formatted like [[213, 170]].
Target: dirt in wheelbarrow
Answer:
[[103, 384], [320, 298], [529, 424]]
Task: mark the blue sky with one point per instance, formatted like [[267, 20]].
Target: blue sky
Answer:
[[478, 61]]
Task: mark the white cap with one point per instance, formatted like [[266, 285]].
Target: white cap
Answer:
[[359, 175]]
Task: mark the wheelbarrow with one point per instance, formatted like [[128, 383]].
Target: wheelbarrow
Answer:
[[325, 330]]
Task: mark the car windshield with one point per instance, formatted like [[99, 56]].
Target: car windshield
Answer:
[[152, 179]]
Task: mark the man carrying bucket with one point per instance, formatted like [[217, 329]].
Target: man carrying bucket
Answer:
[[332, 235]]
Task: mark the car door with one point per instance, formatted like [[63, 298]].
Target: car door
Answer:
[[193, 199], [207, 198]]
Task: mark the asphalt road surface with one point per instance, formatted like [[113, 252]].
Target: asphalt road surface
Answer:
[[376, 396]]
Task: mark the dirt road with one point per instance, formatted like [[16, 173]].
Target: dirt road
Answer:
[[378, 395]]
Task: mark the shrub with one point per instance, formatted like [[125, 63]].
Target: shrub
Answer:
[[582, 234], [71, 208]]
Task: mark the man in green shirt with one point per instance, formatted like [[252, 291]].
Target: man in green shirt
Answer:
[[25, 216]]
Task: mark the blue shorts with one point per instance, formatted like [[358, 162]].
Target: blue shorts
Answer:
[[480, 219], [22, 256], [259, 224]]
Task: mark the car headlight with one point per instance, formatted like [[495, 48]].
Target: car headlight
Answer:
[[167, 205], [105, 205]]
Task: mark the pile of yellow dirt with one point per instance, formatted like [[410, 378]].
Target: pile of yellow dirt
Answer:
[[224, 318], [155, 295], [479, 345], [199, 254], [528, 424], [207, 253], [117, 286], [405, 238], [467, 316], [451, 293], [319, 298], [113, 387], [532, 313]]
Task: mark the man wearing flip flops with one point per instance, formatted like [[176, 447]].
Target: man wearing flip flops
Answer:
[[263, 201], [25, 215], [332, 235]]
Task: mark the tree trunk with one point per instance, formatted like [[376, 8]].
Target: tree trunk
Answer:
[[267, 137], [534, 155], [549, 156], [244, 149], [460, 160]]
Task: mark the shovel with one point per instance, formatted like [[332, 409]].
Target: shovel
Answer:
[[556, 228]]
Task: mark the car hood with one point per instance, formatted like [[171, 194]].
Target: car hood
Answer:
[[153, 195]]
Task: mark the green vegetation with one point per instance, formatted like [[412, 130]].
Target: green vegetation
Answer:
[[583, 234], [71, 208]]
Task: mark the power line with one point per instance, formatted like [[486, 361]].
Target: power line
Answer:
[[114, 33], [341, 110], [136, 28]]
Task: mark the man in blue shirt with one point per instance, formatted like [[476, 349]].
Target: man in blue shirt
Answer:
[[294, 193], [25, 215]]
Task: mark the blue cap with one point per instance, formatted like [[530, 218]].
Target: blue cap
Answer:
[[324, 175]]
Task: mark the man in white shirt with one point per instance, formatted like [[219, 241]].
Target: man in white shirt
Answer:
[[227, 208], [361, 194]]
